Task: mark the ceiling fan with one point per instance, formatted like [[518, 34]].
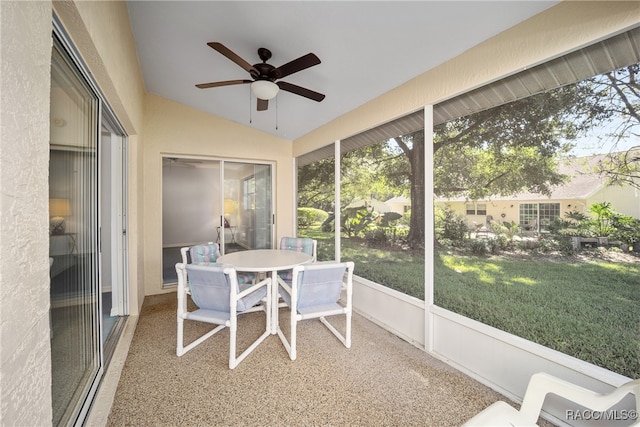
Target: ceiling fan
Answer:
[[264, 85]]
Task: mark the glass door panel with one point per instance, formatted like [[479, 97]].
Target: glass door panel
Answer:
[[191, 208], [248, 206], [73, 179], [113, 245]]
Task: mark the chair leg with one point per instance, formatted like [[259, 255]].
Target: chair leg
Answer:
[[233, 328], [344, 339], [181, 349], [180, 340], [348, 331], [294, 326]]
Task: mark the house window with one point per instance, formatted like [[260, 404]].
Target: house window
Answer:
[[538, 216], [476, 208], [529, 216], [548, 213]]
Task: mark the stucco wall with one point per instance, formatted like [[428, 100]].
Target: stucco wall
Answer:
[[25, 363], [172, 128]]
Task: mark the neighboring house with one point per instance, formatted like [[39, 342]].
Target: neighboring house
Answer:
[[533, 212], [399, 204]]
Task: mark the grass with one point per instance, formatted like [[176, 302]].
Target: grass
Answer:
[[588, 310]]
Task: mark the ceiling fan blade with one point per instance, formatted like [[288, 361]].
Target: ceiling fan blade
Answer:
[[298, 90], [224, 83], [234, 57], [306, 61], [263, 104]]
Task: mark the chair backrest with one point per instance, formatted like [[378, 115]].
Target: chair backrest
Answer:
[[319, 284], [300, 244], [211, 288], [205, 253]]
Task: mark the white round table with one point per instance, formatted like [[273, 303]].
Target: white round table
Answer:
[[265, 260]]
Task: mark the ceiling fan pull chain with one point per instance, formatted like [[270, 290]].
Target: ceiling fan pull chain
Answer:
[[276, 113], [250, 116]]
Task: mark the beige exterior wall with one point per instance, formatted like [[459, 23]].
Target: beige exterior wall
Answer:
[[172, 128], [510, 210], [101, 33], [625, 200]]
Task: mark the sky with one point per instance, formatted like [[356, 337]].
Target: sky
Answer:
[[597, 141]]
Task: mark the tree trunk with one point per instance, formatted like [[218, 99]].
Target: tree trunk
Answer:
[[416, 223]]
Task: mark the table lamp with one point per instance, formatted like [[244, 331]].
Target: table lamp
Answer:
[[229, 209], [58, 209]]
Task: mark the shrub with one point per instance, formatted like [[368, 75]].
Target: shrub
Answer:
[[450, 226], [376, 237], [309, 216], [478, 246]]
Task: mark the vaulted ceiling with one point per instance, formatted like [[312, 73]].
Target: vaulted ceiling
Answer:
[[366, 49]]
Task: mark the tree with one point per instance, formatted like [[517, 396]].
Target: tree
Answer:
[[619, 92], [510, 148], [413, 148], [316, 185], [504, 150]]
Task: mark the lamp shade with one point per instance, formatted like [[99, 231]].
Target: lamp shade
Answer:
[[229, 206], [264, 89], [59, 207]]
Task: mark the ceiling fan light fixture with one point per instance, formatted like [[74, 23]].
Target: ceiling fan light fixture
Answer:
[[264, 89]]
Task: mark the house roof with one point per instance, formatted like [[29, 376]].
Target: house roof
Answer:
[[584, 182], [399, 199]]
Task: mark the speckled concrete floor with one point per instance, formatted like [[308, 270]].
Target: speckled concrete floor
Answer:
[[380, 381]]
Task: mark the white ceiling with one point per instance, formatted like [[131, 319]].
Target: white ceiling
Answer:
[[366, 47]]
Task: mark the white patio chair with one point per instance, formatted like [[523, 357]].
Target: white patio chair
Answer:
[[300, 244], [208, 254], [502, 414], [315, 293], [220, 299]]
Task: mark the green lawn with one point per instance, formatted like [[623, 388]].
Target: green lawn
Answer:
[[589, 310]]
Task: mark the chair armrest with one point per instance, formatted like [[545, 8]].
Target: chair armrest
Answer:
[[542, 384], [284, 285], [252, 288]]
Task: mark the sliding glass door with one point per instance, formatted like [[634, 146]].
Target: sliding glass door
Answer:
[[207, 200], [73, 178], [87, 239]]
